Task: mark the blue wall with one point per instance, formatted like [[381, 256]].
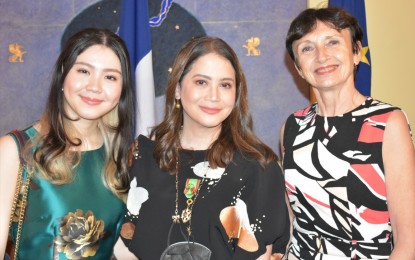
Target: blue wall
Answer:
[[275, 90]]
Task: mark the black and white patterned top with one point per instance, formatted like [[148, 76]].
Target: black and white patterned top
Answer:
[[241, 201], [335, 180]]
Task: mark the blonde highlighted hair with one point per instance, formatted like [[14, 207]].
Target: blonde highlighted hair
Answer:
[[53, 153]]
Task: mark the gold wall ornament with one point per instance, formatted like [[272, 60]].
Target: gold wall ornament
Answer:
[[317, 4], [251, 46], [323, 4], [17, 54]]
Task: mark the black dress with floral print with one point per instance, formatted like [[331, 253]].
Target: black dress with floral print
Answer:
[[235, 211]]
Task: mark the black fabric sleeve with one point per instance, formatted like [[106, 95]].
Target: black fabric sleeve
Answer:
[[267, 210]]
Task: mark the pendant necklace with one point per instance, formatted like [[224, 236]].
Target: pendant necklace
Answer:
[[192, 190]]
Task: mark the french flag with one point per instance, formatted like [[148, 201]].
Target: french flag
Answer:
[[135, 31]]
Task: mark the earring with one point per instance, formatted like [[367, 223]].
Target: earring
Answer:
[[62, 89], [355, 68], [178, 106]]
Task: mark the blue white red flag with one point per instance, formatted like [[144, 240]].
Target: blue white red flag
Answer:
[[364, 72], [135, 31]]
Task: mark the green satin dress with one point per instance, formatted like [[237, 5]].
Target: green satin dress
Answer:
[[78, 220]]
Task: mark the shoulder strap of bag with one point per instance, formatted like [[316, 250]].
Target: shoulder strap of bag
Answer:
[[23, 181]]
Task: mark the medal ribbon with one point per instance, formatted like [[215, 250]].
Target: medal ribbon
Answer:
[[191, 187]]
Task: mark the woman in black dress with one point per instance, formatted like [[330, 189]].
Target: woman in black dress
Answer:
[[203, 171]]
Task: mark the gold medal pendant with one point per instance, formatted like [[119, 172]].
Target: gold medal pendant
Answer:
[[191, 191], [186, 215], [187, 212]]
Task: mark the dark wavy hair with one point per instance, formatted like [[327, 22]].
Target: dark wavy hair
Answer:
[[237, 129], [335, 17], [54, 141]]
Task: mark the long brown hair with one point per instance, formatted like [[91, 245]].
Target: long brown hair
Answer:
[[237, 130], [52, 155]]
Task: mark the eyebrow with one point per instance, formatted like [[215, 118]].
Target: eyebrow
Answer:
[[90, 66], [207, 77], [332, 36]]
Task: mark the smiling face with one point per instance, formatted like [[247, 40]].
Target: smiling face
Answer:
[[325, 58], [207, 92], [93, 85]]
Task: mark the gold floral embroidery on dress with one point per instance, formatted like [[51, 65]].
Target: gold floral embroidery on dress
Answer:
[[80, 235]]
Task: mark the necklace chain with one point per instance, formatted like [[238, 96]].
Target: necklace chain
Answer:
[[176, 216], [187, 212], [191, 203]]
